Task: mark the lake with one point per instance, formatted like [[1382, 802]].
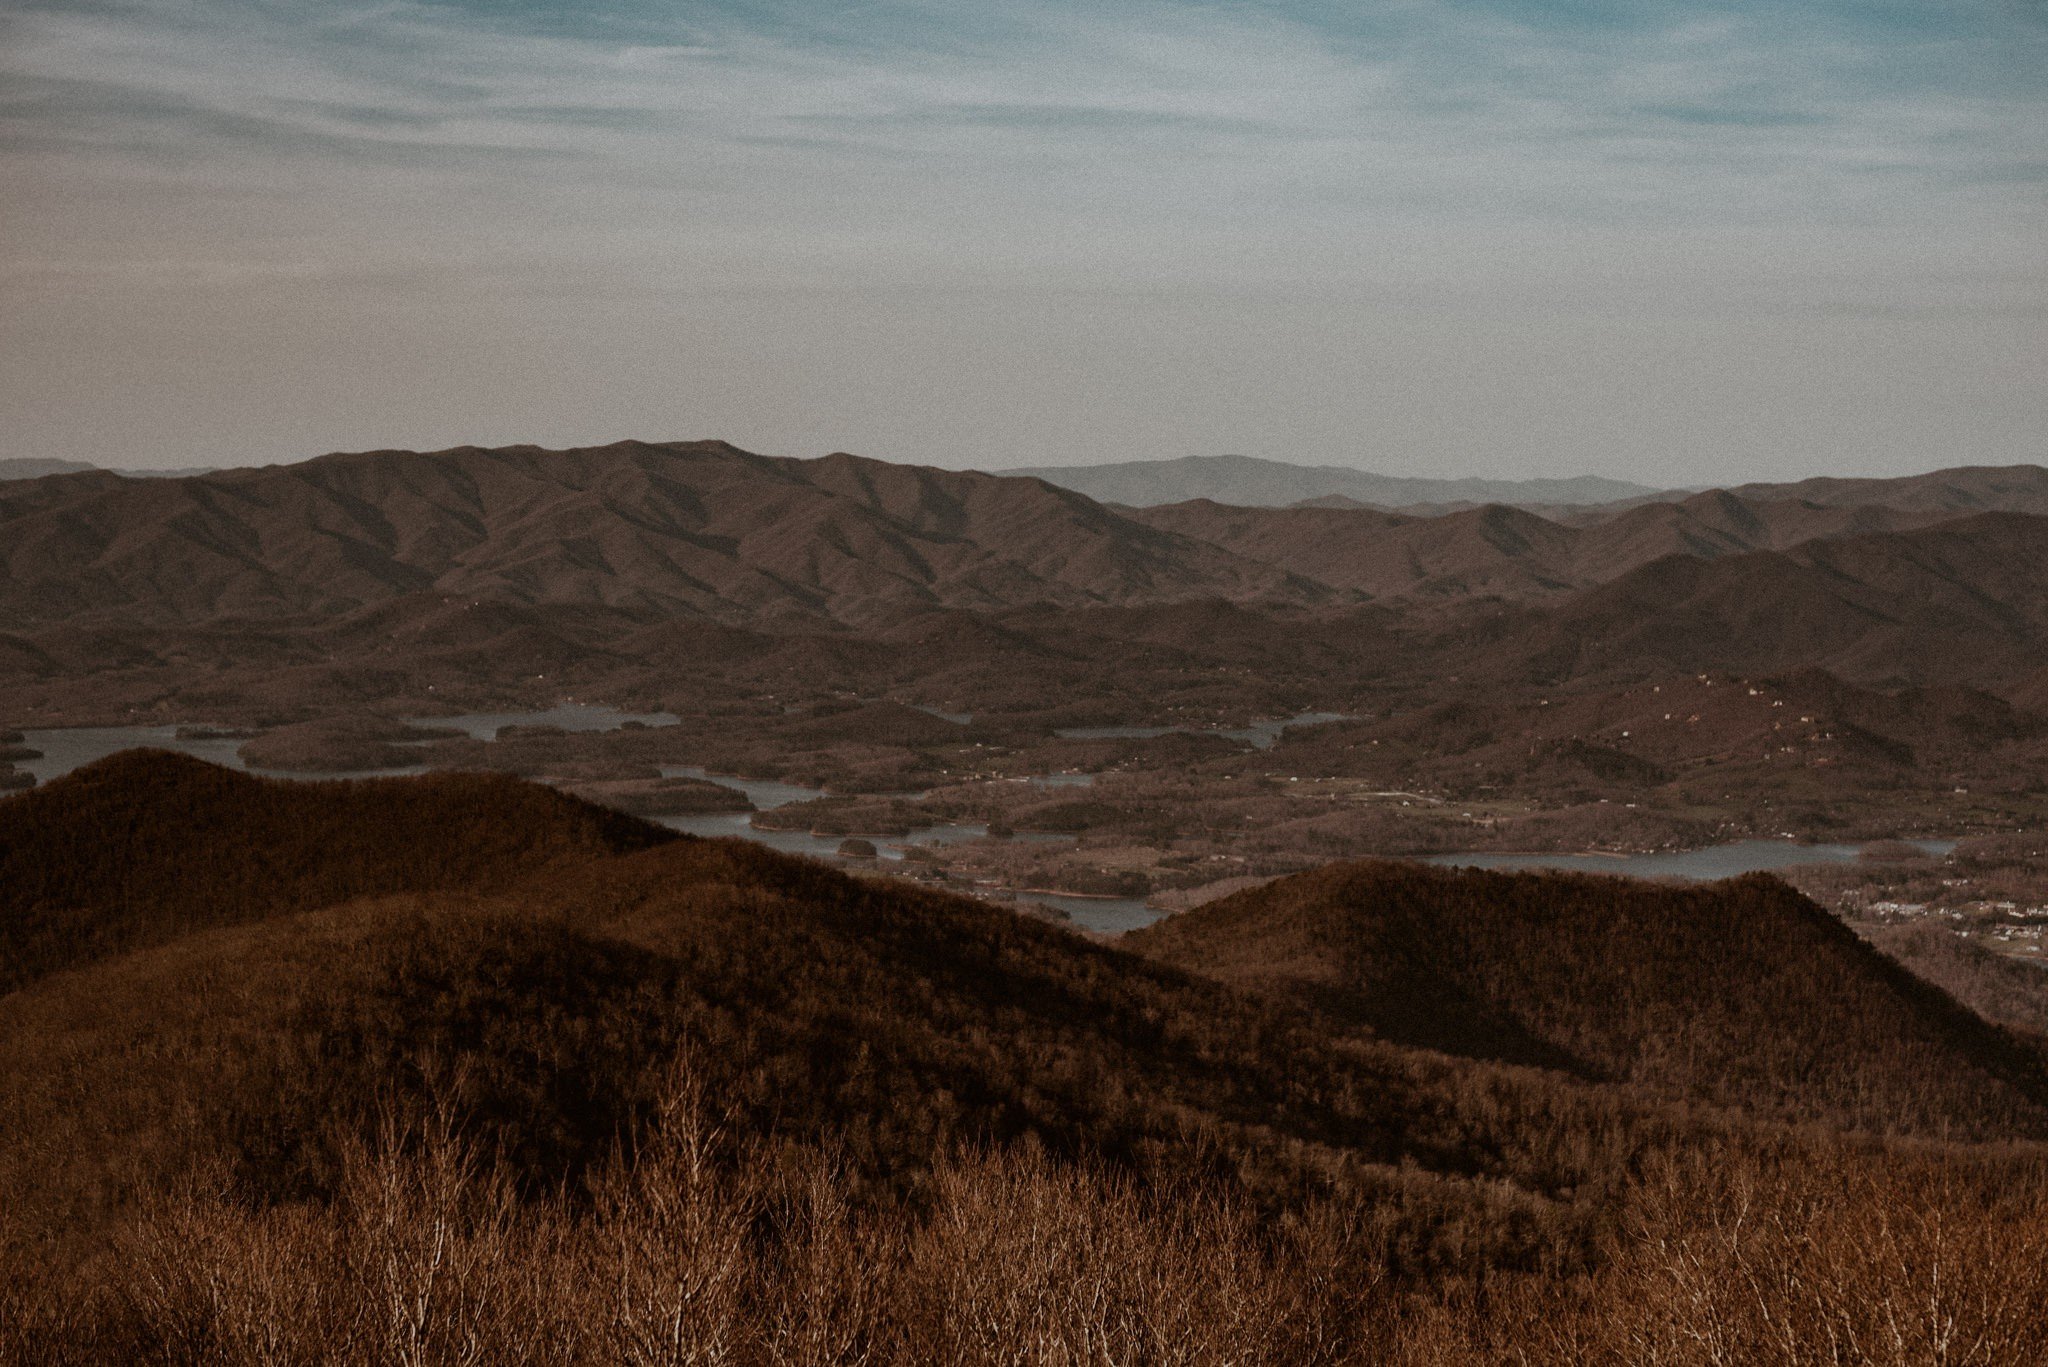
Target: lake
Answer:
[[1106, 915], [768, 794]]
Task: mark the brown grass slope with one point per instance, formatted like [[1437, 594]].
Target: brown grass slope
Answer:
[[146, 846], [690, 528], [1740, 993]]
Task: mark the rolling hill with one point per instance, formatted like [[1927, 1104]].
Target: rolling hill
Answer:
[[148, 846], [283, 987], [1740, 993], [1962, 489], [445, 1069]]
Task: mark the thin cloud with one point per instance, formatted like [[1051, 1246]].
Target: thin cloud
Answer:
[[1476, 159]]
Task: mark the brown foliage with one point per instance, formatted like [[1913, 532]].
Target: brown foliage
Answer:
[[1741, 993], [701, 1248], [701, 1102]]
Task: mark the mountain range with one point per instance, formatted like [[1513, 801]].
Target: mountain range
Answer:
[[1907, 581], [1247, 481], [705, 529], [696, 529]]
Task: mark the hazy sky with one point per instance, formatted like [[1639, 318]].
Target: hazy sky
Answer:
[[1682, 243]]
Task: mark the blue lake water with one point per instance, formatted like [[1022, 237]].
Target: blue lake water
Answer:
[[68, 748], [72, 747]]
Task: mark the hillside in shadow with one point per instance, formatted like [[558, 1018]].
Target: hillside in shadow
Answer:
[[1741, 993], [147, 846]]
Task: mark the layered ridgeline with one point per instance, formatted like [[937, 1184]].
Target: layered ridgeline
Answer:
[[521, 564], [696, 529], [35, 467], [705, 530], [1247, 481], [1513, 553], [600, 1088], [1250, 482]]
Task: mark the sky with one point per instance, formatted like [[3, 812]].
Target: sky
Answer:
[[1681, 243]]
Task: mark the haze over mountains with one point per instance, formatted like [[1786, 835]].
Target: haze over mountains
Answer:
[[32, 467], [1250, 482], [35, 467]]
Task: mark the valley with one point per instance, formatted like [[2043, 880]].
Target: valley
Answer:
[[1478, 683], [1415, 924]]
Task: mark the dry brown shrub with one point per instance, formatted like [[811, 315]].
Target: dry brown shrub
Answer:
[[695, 1247]]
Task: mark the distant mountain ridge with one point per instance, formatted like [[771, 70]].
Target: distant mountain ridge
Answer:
[[35, 467], [695, 529], [1962, 489], [1250, 482], [705, 530]]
